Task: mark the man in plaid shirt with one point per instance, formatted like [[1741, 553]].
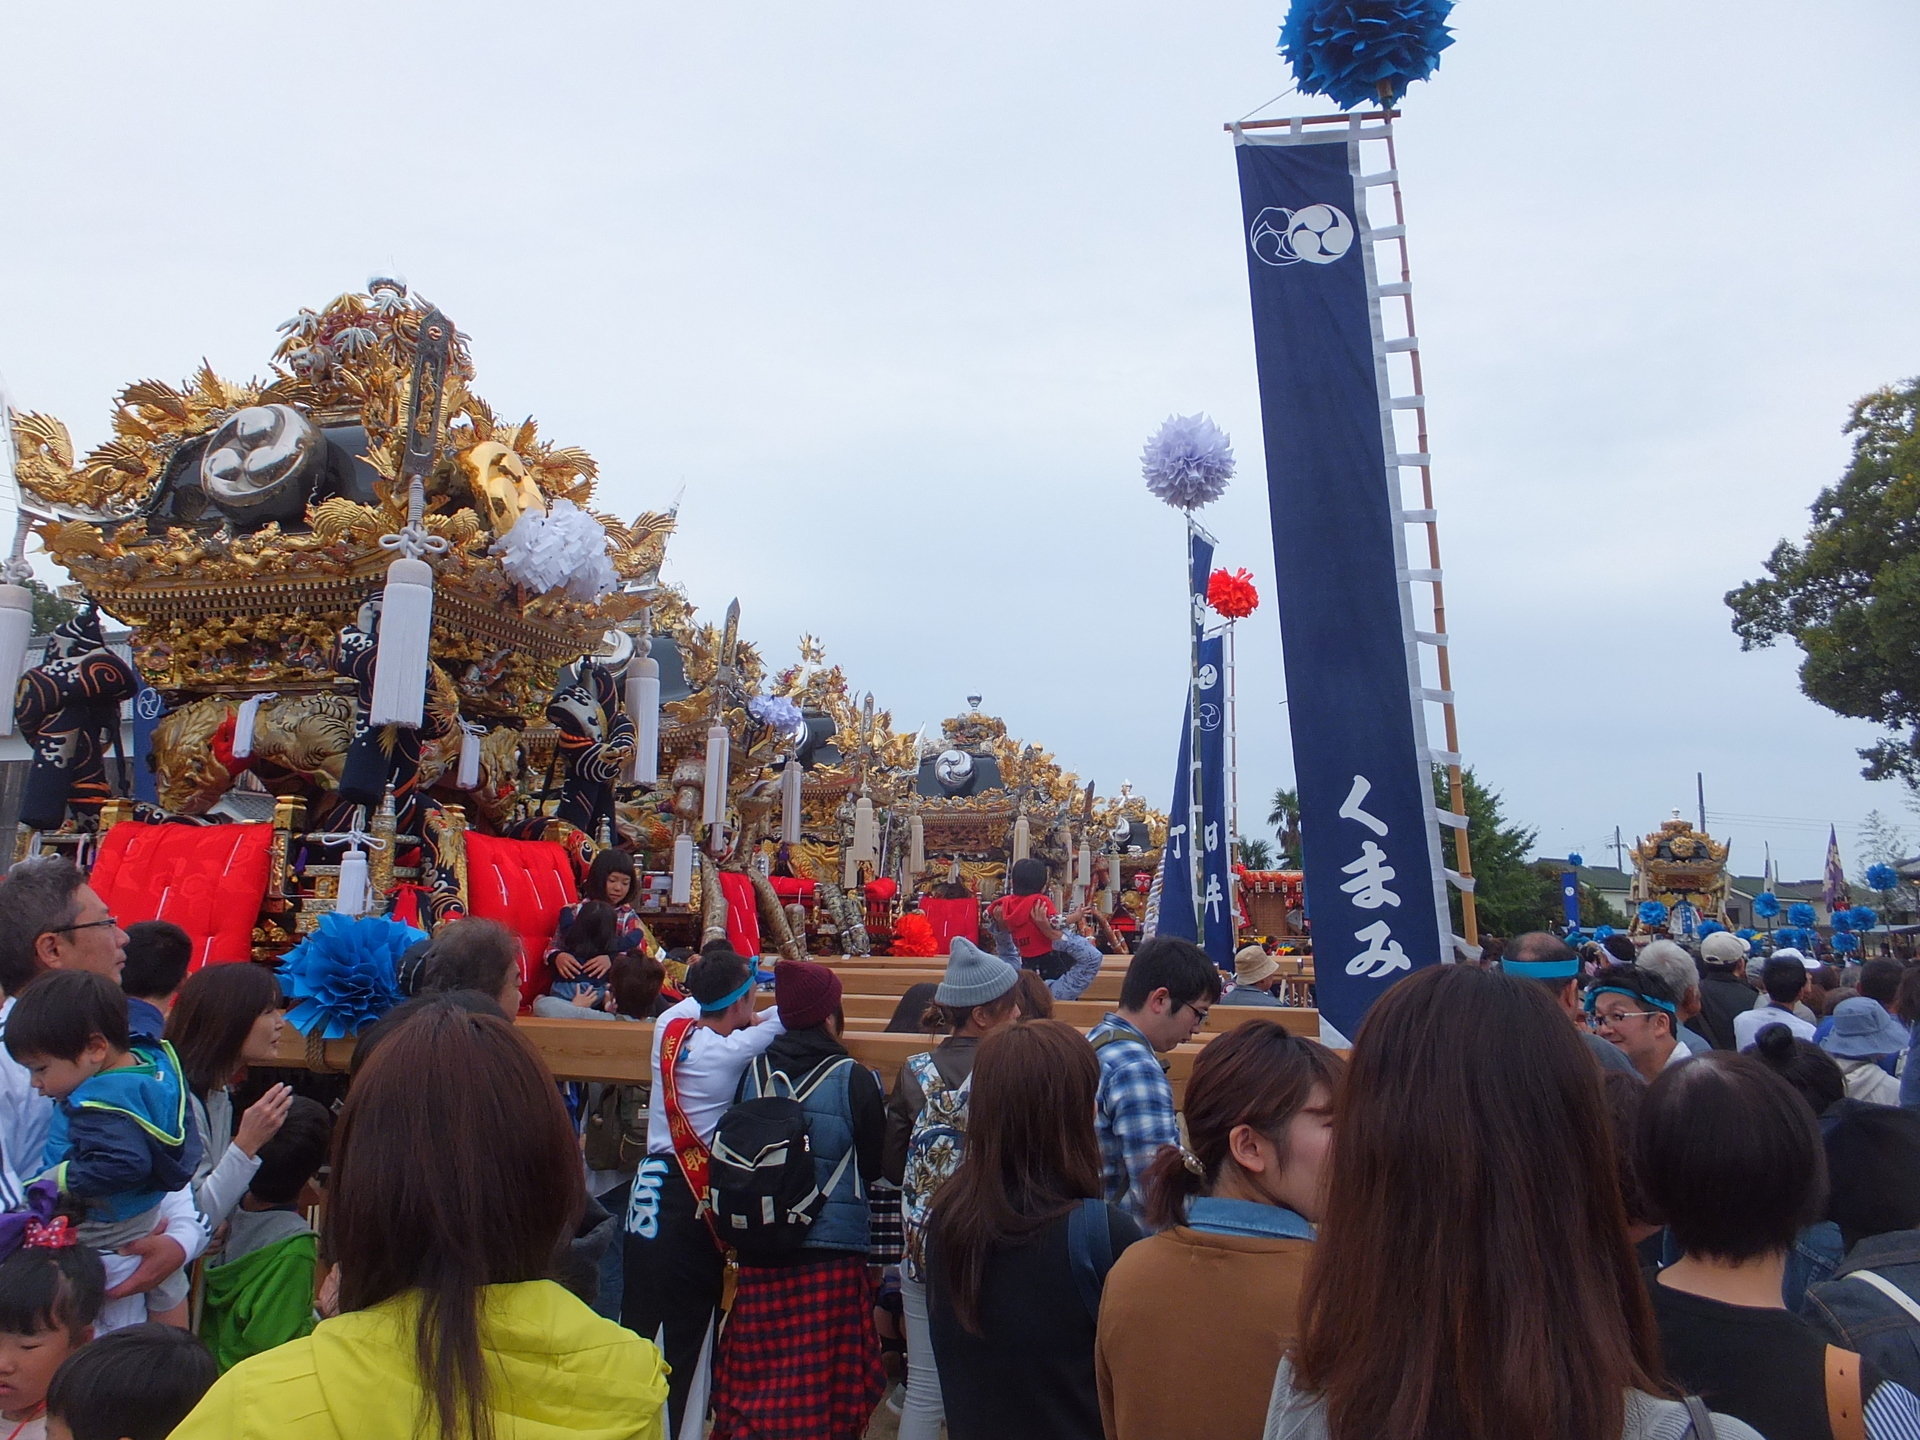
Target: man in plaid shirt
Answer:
[[1169, 988]]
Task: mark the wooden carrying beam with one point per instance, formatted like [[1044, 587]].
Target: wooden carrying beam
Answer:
[[622, 1051]]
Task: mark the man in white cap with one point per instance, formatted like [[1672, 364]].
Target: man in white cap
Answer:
[[1255, 974], [1725, 991]]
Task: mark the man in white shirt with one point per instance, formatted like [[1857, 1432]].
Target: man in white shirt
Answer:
[[51, 919], [674, 1266], [1786, 980]]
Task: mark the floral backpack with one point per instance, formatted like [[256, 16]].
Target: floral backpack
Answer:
[[933, 1149]]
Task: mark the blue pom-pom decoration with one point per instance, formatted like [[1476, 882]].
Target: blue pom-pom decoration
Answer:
[[1188, 462], [1602, 932], [1859, 918], [1787, 936], [341, 976], [1845, 942], [1748, 935], [1652, 913], [1800, 914], [1766, 905], [1709, 927], [1576, 859], [1882, 877], [1348, 50]]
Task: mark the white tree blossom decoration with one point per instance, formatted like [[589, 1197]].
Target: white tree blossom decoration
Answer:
[[564, 547], [1188, 462]]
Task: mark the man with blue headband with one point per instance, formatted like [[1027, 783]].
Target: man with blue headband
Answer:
[[1637, 1011], [1547, 959], [675, 1265]]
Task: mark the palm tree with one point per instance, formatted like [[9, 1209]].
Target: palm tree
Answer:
[[1256, 854], [1285, 819]]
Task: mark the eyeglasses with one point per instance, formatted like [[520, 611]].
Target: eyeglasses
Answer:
[[107, 924], [1200, 1012], [1598, 1021]]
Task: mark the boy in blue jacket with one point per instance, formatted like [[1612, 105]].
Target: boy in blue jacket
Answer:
[[121, 1136]]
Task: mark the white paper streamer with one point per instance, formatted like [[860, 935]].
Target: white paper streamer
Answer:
[[563, 547]]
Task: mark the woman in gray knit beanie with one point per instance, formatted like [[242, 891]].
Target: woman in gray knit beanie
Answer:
[[926, 1132]]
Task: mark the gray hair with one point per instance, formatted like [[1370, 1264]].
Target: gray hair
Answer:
[[35, 897], [1671, 964]]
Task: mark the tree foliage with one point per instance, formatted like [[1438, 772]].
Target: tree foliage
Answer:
[[49, 609], [1284, 817], [1849, 594], [1255, 854], [1511, 894]]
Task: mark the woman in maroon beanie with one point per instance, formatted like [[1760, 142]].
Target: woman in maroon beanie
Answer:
[[799, 1359]]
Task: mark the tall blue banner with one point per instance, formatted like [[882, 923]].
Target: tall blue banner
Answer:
[[1216, 895], [1375, 887], [1570, 897], [1214, 926]]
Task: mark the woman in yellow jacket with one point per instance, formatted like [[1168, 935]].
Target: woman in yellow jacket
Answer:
[[456, 1182]]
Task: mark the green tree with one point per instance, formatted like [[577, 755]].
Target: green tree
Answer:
[[1255, 854], [49, 609], [1849, 594], [1511, 894], [1284, 816]]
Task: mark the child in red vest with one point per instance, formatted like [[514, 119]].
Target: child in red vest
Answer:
[[1027, 915]]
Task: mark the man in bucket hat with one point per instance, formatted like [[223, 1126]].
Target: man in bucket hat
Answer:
[[1255, 973]]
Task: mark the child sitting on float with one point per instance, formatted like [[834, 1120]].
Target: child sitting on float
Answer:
[[612, 881], [1028, 916]]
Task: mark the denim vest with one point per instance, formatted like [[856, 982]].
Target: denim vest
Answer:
[[1859, 1317], [843, 1222]]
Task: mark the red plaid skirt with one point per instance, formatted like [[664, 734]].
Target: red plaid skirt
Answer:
[[799, 1359]]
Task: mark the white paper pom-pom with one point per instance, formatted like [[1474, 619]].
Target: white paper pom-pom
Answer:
[[564, 547], [1188, 462]]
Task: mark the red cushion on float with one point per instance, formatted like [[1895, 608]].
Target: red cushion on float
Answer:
[[950, 918], [791, 887], [743, 913], [207, 879], [524, 884]]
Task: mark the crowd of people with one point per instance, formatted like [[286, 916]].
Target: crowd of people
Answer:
[[1640, 1195]]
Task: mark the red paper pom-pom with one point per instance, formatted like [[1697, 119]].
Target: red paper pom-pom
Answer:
[[914, 936], [1231, 593]]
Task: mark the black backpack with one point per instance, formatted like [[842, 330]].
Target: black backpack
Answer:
[[761, 1182]]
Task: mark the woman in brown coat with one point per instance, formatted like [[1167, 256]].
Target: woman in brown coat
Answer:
[[1195, 1319]]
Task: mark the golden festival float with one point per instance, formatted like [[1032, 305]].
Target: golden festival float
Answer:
[[1681, 873], [393, 623]]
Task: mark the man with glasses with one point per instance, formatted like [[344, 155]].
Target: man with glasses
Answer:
[[1170, 987], [1637, 1010], [51, 919]]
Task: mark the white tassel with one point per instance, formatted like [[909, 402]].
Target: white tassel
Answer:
[[353, 884], [1022, 838], [791, 779], [243, 722], [713, 804], [643, 708], [865, 835], [852, 879], [468, 777], [16, 632], [916, 846], [406, 638], [1083, 870], [1113, 881], [682, 890]]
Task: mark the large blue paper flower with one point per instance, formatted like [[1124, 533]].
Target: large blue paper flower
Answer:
[[1604, 932], [1766, 905], [1652, 913], [341, 976], [1709, 927], [1348, 49], [1787, 937], [1187, 462], [1882, 877], [1800, 914], [1860, 917], [1845, 942]]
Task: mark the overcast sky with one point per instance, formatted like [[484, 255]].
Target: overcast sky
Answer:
[[897, 292]]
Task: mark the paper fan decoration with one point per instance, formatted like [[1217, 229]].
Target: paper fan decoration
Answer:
[[1231, 593], [340, 978], [1188, 462], [1364, 52]]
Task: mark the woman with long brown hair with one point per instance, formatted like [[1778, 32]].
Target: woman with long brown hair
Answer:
[[456, 1182], [226, 1018], [1473, 1277], [1235, 1215], [1020, 1243]]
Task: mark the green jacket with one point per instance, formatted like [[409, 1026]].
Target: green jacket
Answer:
[[263, 1299]]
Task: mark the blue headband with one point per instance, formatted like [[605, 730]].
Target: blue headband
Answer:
[[730, 998], [1543, 969], [1600, 990]]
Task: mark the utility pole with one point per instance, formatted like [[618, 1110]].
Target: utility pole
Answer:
[[1700, 787], [1619, 851]]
